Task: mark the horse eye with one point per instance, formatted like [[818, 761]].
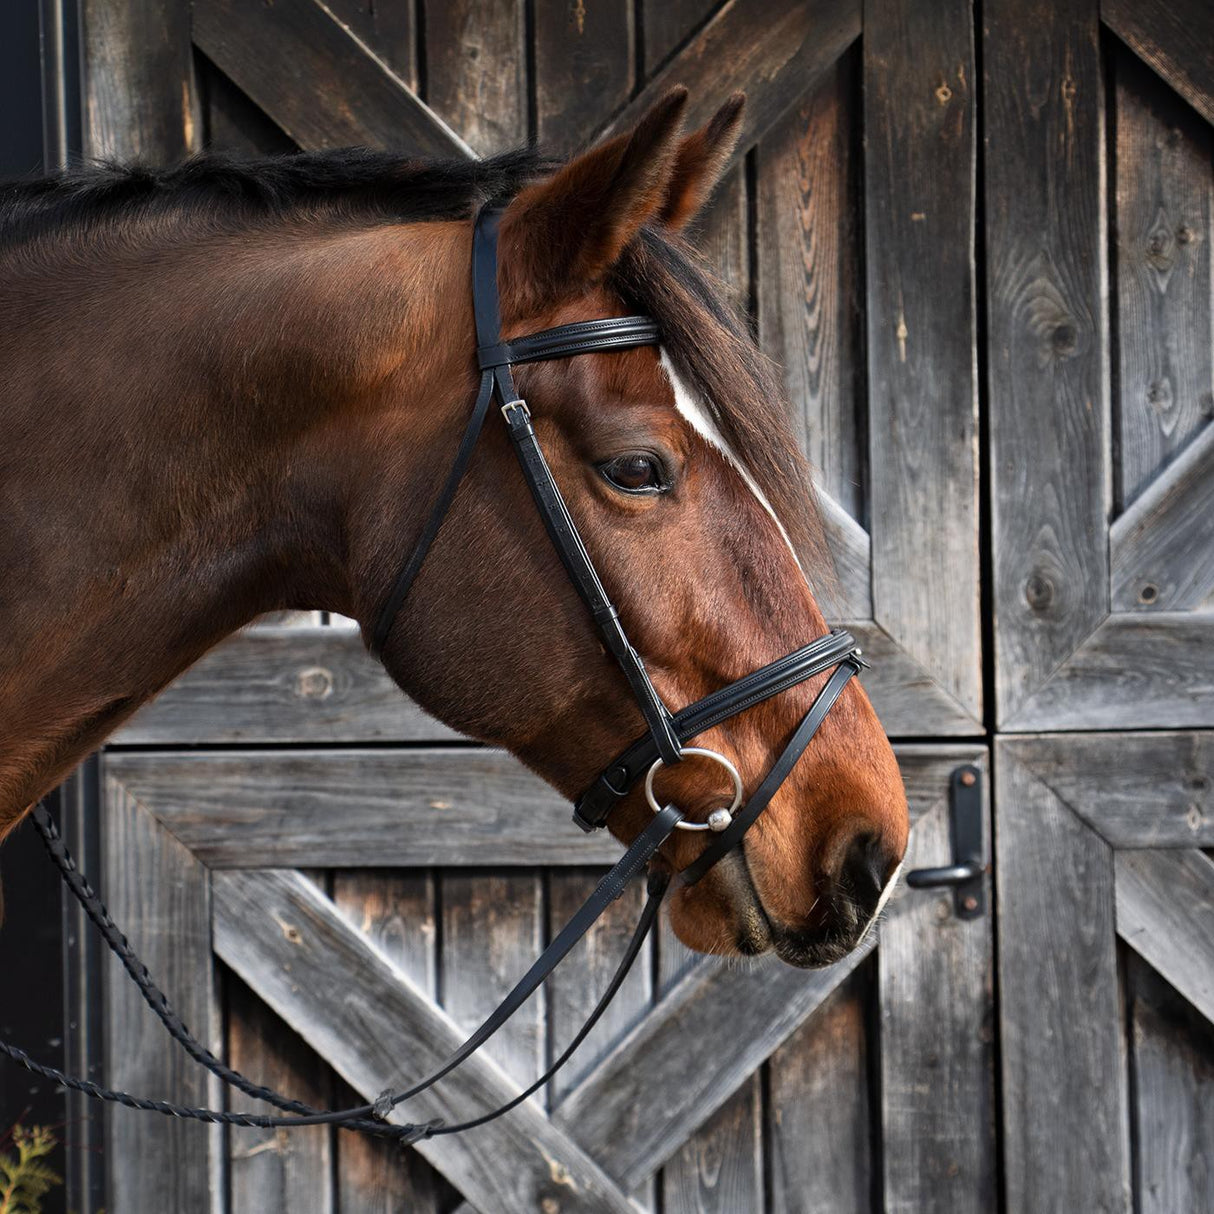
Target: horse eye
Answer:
[[635, 473]]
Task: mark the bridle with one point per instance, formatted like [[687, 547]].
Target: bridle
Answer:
[[665, 741]]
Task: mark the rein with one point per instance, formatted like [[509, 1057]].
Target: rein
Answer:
[[664, 743]]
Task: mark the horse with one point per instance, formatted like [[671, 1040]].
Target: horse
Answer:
[[234, 387]]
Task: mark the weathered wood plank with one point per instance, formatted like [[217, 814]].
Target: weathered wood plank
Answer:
[[1162, 548], [691, 1050], [1176, 37], [389, 29], [809, 282], [159, 894], [286, 55], [720, 1169], [1135, 790], [1057, 954], [1049, 396], [231, 122], [770, 49], [722, 235], [476, 71], [1173, 1051], [1135, 671], [284, 685], [583, 68], [395, 911], [1164, 216], [137, 88], [936, 999], [355, 1008], [668, 24], [818, 1135], [1165, 912], [270, 1170], [919, 226], [268, 809], [849, 595], [492, 930]]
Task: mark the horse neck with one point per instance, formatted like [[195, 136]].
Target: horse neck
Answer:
[[181, 428]]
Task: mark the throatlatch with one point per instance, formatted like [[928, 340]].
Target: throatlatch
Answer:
[[665, 741]]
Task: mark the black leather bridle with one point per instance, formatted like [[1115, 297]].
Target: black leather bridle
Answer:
[[664, 742]]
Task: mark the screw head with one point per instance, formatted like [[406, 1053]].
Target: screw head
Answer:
[[970, 903], [719, 819], [968, 778]]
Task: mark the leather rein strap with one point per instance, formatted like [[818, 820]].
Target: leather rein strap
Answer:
[[664, 741]]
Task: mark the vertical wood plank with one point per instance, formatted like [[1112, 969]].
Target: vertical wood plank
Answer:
[[819, 1134], [809, 278], [159, 894], [720, 1167], [1173, 1052], [396, 910], [476, 70], [1164, 212], [492, 930], [583, 68], [1065, 1103], [721, 235], [137, 86], [936, 988], [922, 333], [580, 979], [271, 1170], [1048, 376]]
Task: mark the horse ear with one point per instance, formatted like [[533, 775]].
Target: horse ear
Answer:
[[701, 162], [572, 227]]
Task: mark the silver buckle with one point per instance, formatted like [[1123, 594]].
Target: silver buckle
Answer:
[[516, 404]]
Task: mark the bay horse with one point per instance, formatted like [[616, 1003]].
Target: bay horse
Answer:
[[234, 387]]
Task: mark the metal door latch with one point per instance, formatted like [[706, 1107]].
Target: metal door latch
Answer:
[[967, 869]]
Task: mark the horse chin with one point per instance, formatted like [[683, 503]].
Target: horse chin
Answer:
[[723, 915]]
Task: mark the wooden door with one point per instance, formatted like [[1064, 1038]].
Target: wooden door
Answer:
[[1098, 217], [332, 916], [710, 1086]]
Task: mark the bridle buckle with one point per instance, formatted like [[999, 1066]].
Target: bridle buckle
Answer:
[[515, 404]]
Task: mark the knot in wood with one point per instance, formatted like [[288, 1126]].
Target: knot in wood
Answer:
[[1039, 591], [314, 683], [1064, 339]]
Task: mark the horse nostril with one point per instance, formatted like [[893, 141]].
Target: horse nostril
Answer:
[[866, 868]]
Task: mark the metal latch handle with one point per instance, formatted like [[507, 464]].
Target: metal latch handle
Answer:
[[965, 874]]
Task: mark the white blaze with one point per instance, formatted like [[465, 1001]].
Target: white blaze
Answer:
[[701, 421]]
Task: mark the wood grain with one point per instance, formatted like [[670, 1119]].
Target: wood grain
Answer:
[[1135, 671], [1164, 212], [1176, 37], [1049, 407], [1165, 912], [284, 685], [1064, 1071], [285, 55], [389, 29], [361, 808], [583, 68], [158, 892], [137, 88], [919, 76], [395, 911], [1135, 790], [361, 1013], [809, 284], [476, 70], [1161, 550], [770, 49], [669, 24], [1173, 1052], [819, 1134], [937, 1013]]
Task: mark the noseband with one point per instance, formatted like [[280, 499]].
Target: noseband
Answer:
[[664, 743]]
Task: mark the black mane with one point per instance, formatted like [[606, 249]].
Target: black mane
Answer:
[[353, 183]]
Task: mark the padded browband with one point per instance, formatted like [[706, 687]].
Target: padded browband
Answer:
[[621, 775], [581, 337]]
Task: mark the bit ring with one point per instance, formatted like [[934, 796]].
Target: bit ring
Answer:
[[719, 819]]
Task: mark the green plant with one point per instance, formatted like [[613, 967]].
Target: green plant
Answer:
[[25, 1178]]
